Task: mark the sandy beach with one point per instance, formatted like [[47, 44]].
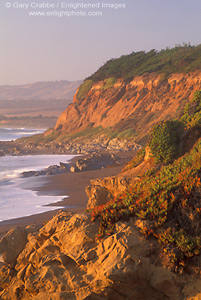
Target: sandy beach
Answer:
[[71, 188]]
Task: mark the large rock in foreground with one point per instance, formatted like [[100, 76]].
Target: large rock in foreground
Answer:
[[63, 260]]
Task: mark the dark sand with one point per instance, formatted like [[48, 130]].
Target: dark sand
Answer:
[[71, 184]]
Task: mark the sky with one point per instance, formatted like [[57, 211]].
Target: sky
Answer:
[[69, 43]]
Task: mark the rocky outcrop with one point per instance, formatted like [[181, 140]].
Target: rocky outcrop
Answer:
[[64, 260], [51, 170], [100, 191], [135, 105], [10, 148], [93, 162]]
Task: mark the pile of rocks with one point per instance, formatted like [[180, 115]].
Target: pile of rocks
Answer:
[[101, 143], [84, 146]]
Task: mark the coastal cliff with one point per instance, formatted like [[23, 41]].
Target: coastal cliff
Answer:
[[133, 106], [119, 104], [117, 116], [140, 237], [143, 242]]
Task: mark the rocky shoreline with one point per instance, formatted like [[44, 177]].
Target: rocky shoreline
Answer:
[[93, 161], [76, 146], [64, 260], [96, 155]]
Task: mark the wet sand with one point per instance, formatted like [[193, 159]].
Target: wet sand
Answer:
[[67, 184]]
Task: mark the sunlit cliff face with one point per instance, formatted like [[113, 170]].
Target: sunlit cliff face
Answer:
[[138, 104]]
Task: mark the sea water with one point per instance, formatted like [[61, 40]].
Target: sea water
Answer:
[[16, 200], [9, 134]]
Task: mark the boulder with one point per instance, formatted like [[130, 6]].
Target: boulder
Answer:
[[100, 191], [51, 170], [98, 195], [12, 244]]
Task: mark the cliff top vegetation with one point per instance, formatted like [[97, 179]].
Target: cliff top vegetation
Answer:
[[180, 59]]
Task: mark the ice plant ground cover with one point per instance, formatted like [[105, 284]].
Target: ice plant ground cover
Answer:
[[169, 199]]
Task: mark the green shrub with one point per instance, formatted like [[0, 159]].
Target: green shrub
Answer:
[[164, 141], [192, 111]]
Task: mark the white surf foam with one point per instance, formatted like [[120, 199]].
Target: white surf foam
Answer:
[[15, 201]]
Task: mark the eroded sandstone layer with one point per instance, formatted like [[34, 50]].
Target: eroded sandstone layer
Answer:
[[137, 104], [64, 260]]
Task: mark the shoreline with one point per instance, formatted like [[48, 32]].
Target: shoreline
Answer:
[[70, 186]]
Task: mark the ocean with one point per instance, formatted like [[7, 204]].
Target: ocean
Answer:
[[16, 200], [9, 134]]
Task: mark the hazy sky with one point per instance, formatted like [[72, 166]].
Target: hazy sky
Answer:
[[56, 47]]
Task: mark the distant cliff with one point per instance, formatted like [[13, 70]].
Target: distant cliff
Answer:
[[35, 105], [62, 89]]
